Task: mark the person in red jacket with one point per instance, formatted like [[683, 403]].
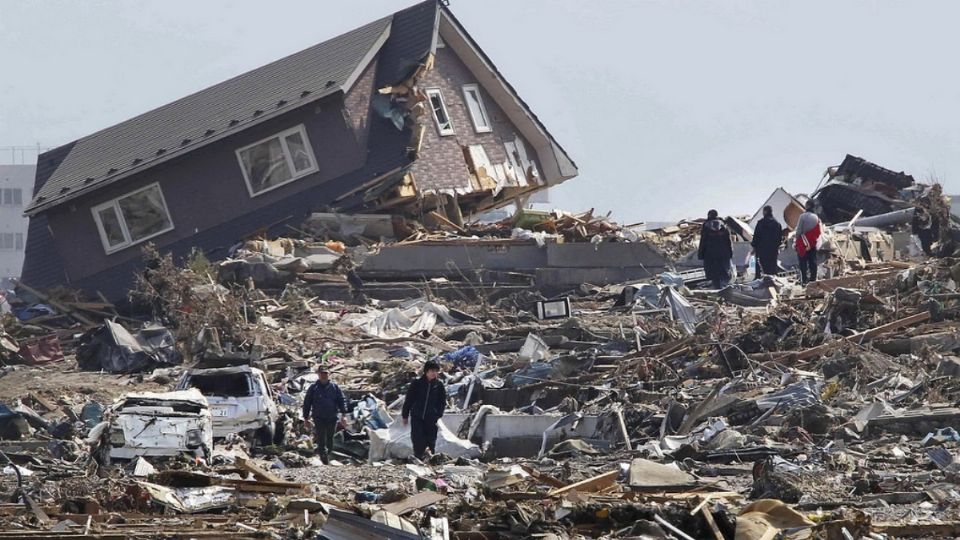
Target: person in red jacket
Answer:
[[808, 234]]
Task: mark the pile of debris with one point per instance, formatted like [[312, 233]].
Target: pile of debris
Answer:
[[641, 409], [645, 409], [860, 195]]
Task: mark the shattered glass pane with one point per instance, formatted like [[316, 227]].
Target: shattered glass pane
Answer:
[[144, 213], [266, 165], [298, 152], [440, 113], [111, 226]]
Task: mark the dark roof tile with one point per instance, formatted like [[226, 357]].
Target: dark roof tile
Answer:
[[334, 60]]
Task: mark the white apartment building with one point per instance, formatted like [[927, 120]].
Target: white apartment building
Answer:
[[16, 188]]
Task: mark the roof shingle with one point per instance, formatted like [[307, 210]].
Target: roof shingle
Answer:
[[190, 122]]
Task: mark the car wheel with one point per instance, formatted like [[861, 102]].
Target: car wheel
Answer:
[[264, 435], [279, 431]]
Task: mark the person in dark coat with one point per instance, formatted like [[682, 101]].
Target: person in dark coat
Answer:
[[423, 407], [326, 402], [716, 250], [767, 238], [926, 227]]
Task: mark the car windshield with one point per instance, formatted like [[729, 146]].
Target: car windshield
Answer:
[[222, 384]]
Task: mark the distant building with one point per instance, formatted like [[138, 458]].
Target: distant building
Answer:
[[955, 205], [16, 182]]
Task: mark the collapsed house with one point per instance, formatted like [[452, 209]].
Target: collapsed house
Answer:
[[405, 114]]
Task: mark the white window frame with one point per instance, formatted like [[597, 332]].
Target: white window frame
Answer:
[[294, 175], [115, 204], [443, 104], [475, 88]]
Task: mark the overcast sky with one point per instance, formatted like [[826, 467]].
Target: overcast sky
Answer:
[[668, 107]]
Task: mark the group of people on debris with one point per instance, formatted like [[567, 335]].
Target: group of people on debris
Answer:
[[716, 246], [325, 408]]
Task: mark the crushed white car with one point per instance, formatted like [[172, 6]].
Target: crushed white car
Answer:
[[155, 424], [240, 400]]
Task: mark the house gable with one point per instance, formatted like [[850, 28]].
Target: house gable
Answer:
[[364, 156]]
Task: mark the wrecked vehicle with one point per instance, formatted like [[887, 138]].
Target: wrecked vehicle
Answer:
[[155, 424], [240, 401], [113, 348]]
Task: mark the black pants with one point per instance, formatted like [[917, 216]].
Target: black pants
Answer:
[[323, 431], [767, 264], [423, 435], [808, 266], [926, 241], [717, 270]]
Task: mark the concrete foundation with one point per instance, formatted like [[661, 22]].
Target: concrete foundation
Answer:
[[553, 266]]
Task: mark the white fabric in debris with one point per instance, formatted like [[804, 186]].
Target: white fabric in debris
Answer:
[[409, 318], [394, 442], [681, 309]]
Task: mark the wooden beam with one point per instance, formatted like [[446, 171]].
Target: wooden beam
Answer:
[[256, 471], [57, 305], [543, 477], [43, 402], [717, 535], [589, 485], [829, 285], [943, 529], [420, 500], [437, 216], [37, 510], [860, 337]]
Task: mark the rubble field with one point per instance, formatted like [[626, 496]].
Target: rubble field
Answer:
[[652, 408]]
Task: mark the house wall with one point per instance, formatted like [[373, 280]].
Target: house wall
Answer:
[[357, 104], [12, 222], [442, 165], [206, 188]]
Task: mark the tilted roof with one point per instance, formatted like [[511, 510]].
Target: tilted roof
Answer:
[[210, 114]]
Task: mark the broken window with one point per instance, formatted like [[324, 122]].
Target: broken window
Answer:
[[222, 384], [440, 115], [277, 160], [133, 218], [478, 113]]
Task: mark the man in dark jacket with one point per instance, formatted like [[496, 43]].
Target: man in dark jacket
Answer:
[[423, 408], [326, 401], [716, 250], [767, 238], [926, 227]]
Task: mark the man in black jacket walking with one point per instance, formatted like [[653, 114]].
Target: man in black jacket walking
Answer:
[[325, 400], [423, 407], [715, 250], [767, 238]]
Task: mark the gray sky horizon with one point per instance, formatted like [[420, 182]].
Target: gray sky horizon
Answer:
[[668, 107]]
